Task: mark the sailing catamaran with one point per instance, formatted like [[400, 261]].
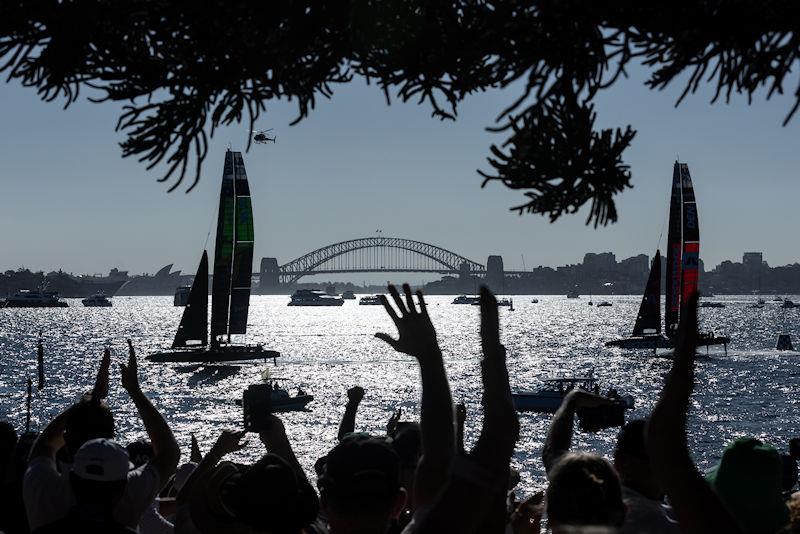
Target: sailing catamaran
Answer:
[[683, 268], [230, 297]]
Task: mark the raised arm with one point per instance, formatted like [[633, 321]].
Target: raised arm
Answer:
[[277, 442], [559, 436], [417, 337], [474, 500], [166, 452], [100, 389], [694, 503], [348, 424], [229, 441], [51, 438]]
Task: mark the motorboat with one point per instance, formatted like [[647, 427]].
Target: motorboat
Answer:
[[573, 294], [777, 299], [548, 399], [282, 401], [711, 305], [26, 298], [370, 300], [789, 304], [508, 303], [534, 301], [349, 295], [181, 297], [98, 300], [464, 299], [314, 297], [604, 303]]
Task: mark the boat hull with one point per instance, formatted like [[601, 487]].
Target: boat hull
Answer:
[[330, 302], [292, 404], [21, 304], [538, 402], [221, 354], [92, 304], [663, 342]]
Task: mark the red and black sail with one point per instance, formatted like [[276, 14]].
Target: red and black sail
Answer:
[[672, 295]]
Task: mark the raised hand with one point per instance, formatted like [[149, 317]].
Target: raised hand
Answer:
[[490, 323], [355, 394], [391, 425], [100, 390], [130, 372], [584, 399], [417, 336], [227, 442]]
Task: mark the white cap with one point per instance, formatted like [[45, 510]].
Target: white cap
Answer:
[[102, 460]]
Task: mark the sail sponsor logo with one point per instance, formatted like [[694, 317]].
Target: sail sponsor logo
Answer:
[[690, 211]]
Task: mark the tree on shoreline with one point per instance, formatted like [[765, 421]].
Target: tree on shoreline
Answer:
[[185, 68]]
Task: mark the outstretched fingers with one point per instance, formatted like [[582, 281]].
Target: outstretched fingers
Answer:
[[409, 299], [397, 300], [389, 309], [423, 308]]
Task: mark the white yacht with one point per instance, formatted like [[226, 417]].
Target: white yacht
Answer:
[[98, 300], [26, 298], [370, 300], [313, 297]]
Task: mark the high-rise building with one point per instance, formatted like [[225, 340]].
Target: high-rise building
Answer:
[[752, 260]]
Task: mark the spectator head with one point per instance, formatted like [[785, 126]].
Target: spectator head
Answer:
[[8, 442], [99, 473], [264, 497], [360, 485], [748, 480], [584, 490], [86, 421], [631, 460], [140, 452]]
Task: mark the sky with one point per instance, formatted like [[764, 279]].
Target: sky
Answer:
[[69, 200]]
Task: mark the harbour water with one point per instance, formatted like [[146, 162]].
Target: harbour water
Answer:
[[753, 391]]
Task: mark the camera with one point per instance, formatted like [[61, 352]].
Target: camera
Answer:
[[601, 417], [256, 406]]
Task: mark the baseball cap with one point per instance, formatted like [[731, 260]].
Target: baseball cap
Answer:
[[102, 460]]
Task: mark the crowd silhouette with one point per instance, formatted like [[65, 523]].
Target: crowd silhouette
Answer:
[[74, 476]]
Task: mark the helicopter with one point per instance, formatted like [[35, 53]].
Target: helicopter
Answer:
[[262, 138]]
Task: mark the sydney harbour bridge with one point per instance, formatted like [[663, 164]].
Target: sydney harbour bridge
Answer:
[[374, 255]]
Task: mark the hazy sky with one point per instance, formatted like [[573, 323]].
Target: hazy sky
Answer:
[[69, 200]]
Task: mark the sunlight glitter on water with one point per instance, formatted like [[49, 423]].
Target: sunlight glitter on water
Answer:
[[753, 391]]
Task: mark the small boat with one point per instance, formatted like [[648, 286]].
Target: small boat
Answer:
[[313, 297], [97, 300], [464, 299], [573, 294], [282, 401], [711, 305], [757, 305], [604, 303], [370, 300], [534, 301], [230, 293], [548, 399], [789, 304], [26, 298], [349, 295], [502, 302], [181, 297], [777, 299]]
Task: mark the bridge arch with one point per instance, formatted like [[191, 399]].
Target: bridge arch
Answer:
[[436, 259]]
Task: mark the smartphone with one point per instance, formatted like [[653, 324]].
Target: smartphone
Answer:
[[256, 406]]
